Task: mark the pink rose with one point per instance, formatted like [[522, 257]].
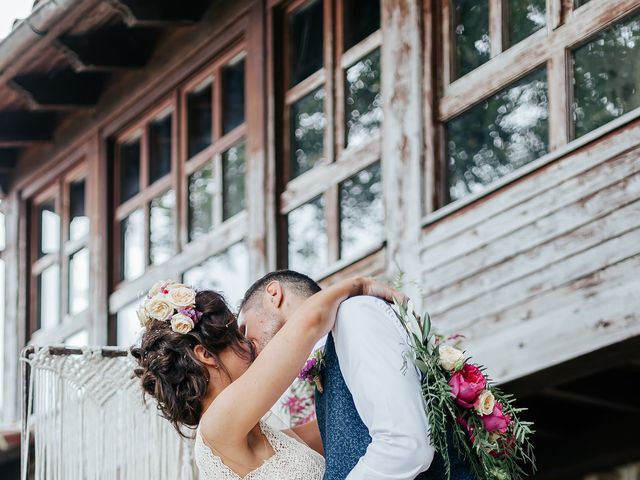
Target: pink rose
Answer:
[[497, 421], [467, 384]]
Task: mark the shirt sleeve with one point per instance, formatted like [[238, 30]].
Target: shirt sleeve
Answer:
[[370, 344]]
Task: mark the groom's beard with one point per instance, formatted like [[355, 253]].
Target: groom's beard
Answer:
[[269, 330]]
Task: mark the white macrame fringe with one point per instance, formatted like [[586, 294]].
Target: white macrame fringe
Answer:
[[88, 421]]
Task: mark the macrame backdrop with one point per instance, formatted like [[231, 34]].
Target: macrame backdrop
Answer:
[[84, 419]]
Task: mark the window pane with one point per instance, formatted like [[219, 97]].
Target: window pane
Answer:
[[226, 272], [3, 231], [132, 231], [199, 119], [160, 150], [607, 76], [579, 3], [305, 41], [363, 112], [525, 18], [233, 96], [49, 238], [307, 132], [201, 190], [307, 231], [79, 339], [498, 136], [361, 19], [233, 170], [127, 325], [79, 281], [129, 169], [361, 212], [49, 297], [161, 228], [471, 35], [78, 219]]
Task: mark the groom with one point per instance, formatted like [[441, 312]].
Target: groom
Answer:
[[371, 414]]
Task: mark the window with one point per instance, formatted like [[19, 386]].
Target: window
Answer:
[[180, 193], [3, 245], [331, 120], [60, 257], [520, 100]]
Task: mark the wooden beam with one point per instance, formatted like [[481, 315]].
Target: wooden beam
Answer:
[[109, 48], [23, 127], [160, 12], [59, 90]]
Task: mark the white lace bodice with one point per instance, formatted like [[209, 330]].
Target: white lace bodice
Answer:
[[292, 460]]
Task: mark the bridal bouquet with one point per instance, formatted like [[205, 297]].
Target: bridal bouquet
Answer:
[[463, 406]]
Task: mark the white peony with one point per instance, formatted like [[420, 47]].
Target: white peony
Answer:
[[181, 297], [143, 316], [181, 323], [158, 308], [485, 403], [451, 359]]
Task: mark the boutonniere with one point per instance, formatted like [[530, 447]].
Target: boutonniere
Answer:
[[311, 372]]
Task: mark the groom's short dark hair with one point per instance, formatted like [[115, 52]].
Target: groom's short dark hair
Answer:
[[298, 282]]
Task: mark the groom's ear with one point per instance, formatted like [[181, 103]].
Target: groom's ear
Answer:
[[274, 294]]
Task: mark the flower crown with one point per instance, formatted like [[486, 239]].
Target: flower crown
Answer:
[[173, 302]]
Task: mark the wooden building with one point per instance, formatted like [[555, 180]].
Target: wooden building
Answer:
[[490, 149]]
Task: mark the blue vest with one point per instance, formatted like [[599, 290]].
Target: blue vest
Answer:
[[345, 437]]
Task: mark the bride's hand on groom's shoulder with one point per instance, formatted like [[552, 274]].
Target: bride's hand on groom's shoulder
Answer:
[[383, 291]]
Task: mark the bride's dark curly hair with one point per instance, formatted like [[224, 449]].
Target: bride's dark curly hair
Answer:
[[168, 368]]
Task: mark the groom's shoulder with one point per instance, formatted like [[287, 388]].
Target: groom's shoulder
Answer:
[[364, 303]]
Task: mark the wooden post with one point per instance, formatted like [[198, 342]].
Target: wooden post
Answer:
[[402, 136]]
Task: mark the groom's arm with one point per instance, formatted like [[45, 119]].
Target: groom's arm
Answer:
[[370, 344]]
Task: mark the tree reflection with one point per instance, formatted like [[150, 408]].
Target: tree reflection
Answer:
[[525, 18], [233, 170], [498, 136], [308, 237], [308, 122], [161, 228], [201, 190], [471, 23], [363, 101]]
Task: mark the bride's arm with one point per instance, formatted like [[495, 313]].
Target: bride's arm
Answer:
[[243, 403]]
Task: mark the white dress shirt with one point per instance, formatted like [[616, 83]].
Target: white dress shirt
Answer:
[[370, 343]]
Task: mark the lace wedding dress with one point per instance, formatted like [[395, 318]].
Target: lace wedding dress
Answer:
[[292, 460]]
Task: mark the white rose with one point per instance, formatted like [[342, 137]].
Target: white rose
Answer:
[[158, 287], [159, 309], [143, 316], [181, 297], [485, 403], [451, 358], [181, 323]]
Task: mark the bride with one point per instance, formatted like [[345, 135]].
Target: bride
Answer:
[[203, 372]]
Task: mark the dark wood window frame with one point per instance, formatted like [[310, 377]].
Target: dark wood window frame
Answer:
[[551, 47], [340, 161], [69, 323]]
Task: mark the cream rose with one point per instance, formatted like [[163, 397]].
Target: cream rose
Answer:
[[158, 308], [451, 358], [158, 287], [143, 316], [485, 403], [180, 323], [181, 297]]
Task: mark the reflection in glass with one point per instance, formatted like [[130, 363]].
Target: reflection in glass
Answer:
[[305, 41], [49, 238], [79, 339], [49, 297], [201, 190], [233, 170], [79, 281], [363, 112], [361, 212], [606, 75], [471, 35], [525, 18], [579, 3], [161, 228], [127, 325], [226, 272], [78, 219], [160, 147], [308, 243], [132, 231], [199, 118], [361, 19], [501, 134], [232, 96], [308, 122], [129, 169]]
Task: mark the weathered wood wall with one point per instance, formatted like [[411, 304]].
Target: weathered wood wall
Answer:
[[546, 269]]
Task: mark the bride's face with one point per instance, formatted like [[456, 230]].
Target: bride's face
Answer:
[[234, 363]]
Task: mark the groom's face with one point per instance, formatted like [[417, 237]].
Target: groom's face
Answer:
[[260, 324]]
